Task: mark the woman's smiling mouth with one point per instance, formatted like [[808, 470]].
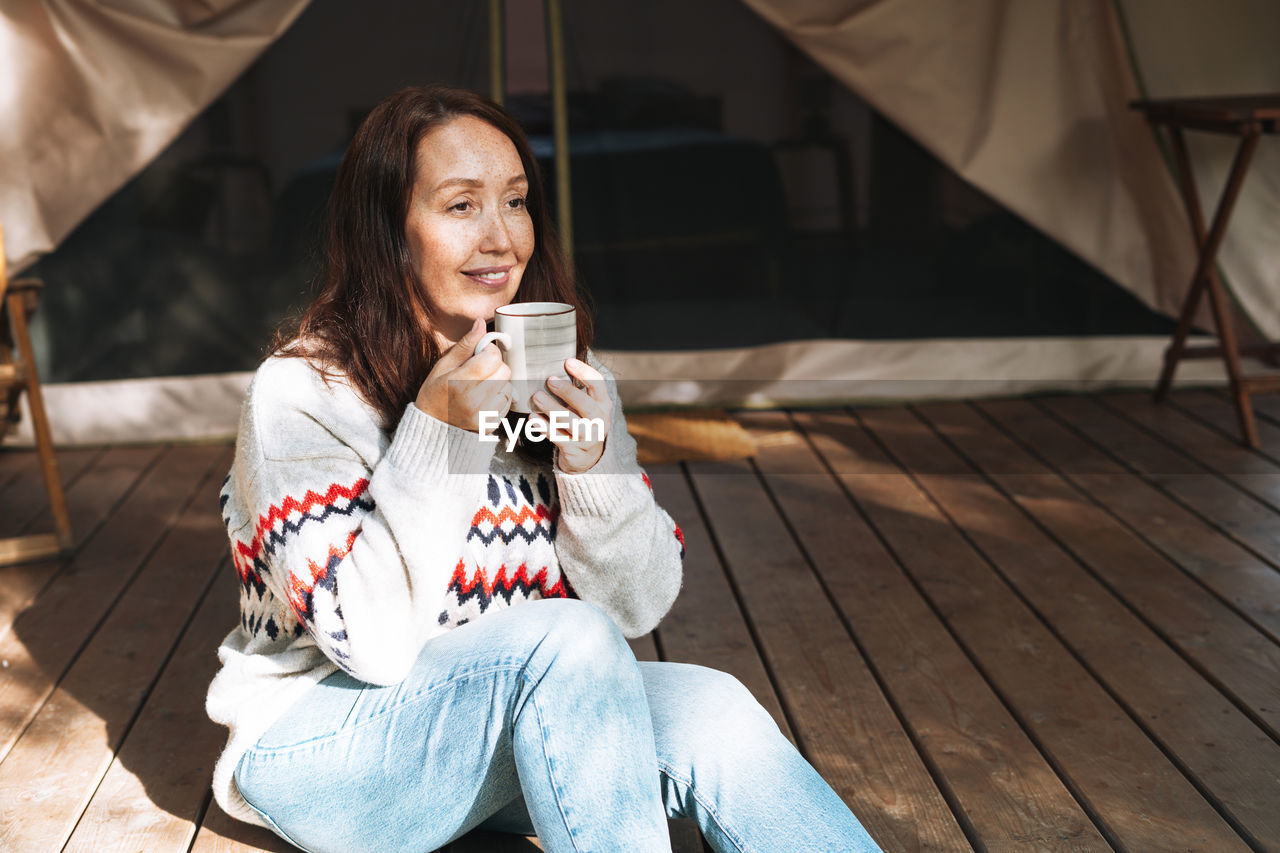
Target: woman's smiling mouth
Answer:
[[490, 276]]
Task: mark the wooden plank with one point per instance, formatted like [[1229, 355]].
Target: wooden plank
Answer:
[[24, 501], [27, 549], [17, 467], [1222, 645], [1136, 796], [1202, 449], [1200, 548], [1231, 758], [69, 744], [843, 722], [220, 833], [995, 774], [1207, 407], [705, 625], [1266, 405], [90, 499], [493, 842], [644, 648], [47, 636], [685, 836], [1257, 472], [1238, 504], [1198, 429], [157, 785]]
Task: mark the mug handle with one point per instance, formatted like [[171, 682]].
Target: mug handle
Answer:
[[490, 337]]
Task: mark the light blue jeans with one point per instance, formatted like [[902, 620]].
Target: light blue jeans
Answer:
[[538, 719]]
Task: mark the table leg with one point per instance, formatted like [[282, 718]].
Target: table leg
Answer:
[[1206, 276], [1191, 200]]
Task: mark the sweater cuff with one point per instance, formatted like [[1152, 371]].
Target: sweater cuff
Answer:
[[600, 491], [431, 452]]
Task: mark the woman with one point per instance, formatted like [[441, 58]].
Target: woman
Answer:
[[383, 689]]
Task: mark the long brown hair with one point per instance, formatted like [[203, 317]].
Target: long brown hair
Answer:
[[366, 320]]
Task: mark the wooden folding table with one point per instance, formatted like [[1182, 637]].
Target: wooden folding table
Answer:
[[1248, 117]]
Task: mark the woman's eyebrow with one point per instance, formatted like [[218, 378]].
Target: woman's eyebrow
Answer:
[[475, 183], [458, 182]]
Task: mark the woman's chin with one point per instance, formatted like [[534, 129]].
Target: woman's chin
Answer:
[[483, 309], [490, 305]]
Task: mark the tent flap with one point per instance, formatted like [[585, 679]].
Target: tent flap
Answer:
[[1028, 102], [92, 92]]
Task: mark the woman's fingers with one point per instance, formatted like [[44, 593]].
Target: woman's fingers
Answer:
[[576, 404], [586, 427], [461, 352], [483, 381], [592, 399], [591, 379], [489, 395], [483, 365], [543, 405], [578, 400]]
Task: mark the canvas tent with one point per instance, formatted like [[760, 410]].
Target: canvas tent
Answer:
[[1026, 101]]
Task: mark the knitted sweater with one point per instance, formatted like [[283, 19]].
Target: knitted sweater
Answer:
[[354, 546]]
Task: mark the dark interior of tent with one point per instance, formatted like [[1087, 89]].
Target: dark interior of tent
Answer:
[[726, 192]]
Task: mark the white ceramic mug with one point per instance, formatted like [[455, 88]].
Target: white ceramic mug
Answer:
[[535, 338]]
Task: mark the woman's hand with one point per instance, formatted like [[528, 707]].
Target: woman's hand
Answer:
[[591, 401], [462, 385]]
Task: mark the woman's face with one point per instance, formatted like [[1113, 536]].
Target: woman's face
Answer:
[[469, 233]]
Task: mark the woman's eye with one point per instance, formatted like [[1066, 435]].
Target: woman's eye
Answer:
[[517, 203], [461, 207]]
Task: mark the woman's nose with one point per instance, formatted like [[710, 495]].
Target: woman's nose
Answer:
[[497, 237]]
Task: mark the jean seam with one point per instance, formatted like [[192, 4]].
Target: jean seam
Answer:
[[352, 709], [282, 750], [555, 787], [693, 790]]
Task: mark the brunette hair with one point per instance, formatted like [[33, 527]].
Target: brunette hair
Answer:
[[371, 319]]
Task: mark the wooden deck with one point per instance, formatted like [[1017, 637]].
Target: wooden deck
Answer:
[[1045, 624]]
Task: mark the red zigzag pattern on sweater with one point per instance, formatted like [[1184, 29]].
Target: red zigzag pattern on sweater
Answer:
[[247, 553], [476, 584], [300, 588], [537, 513]]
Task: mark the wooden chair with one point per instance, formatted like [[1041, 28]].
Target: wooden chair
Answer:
[[18, 300]]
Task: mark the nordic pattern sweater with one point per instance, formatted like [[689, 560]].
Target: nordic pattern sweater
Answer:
[[354, 546]]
